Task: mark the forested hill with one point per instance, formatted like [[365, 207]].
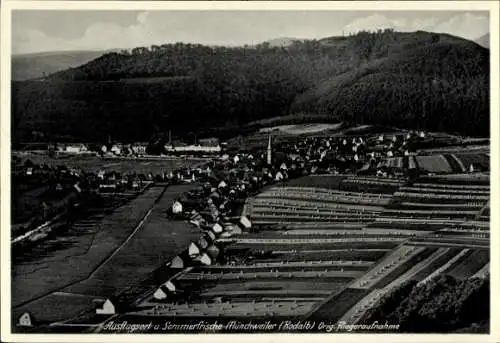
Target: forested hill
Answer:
[[438, 86], [365, 78]]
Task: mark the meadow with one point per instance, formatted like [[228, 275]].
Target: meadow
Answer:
[[90, 163]]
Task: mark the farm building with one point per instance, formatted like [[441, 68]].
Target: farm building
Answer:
[[108, 186], [73, 148], [116, 149], [139, 148], [212, 141], [189, 149]]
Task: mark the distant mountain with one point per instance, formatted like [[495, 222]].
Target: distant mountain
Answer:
[[32, 66], [484, 41], [422, 80], [282, 41]]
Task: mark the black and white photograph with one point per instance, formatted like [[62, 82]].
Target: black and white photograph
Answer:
[[248, 171]]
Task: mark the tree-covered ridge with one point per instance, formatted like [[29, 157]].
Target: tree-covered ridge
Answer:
[[376, 77], [439, 87]]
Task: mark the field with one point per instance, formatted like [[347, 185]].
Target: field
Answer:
[[474, 158], [305, 206], [387, 266], [73, 255], [470, 264], [310, 205], [435, 203], [99, 261], [122, 166], [336, 306], [363, 130], [301, 129], [318, 250], [371, 184], [26, 202], [476, 146], [433, 164], [454, 159], [273, 267], [158, 241], [304, 264], [337, 249], [321, 181], [307, 255], [289, 120]]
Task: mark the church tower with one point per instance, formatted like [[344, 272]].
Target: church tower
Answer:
[[269, 157]]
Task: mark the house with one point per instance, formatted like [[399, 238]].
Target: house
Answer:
[[107, 308], [412, 163], [164, 290], [278, 176], [177, 263], [245, 223], [217, 228], [136, 183], [77, 188], [212, 141], [475, 168], [193, 250], [196, 219], [176, 207], [25, 320], [75, 148], [139, 148], [108, 186], [204, 259], [116, 149]]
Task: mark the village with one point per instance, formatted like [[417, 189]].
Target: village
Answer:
[[353, 215], [204, 146]]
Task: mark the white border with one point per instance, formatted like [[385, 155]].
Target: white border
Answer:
[[8, 6]]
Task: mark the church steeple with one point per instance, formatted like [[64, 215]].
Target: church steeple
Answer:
[[269, 152]]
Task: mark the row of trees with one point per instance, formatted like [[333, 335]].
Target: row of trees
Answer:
[[443, 304]]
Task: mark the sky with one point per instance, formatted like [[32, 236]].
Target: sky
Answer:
[[53, 30]]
